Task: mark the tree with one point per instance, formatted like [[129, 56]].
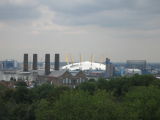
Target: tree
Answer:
[[145, 102], [21, 84], [22, 95], [102, 84], [22, 112], [44, 111], [88, 86], [105, 107], [42, 91], [73, 105], [3, 110], [80, 105]]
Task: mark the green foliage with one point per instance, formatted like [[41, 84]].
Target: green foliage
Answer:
[[102, 84], [22, 95], [44, 111], [80, 105], [3, 110], [21, 84], [88, 86], [142, 80], [123, 98], [73, 106], [2, 87], [55, 94], [145, 102], [42, 91], [104, 107], [91, 80], [22, 112]]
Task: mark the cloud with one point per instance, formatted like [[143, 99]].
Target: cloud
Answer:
[[18, 2], [12, 10], [106, 13], [46, 21], [114, 28], [141, 14]]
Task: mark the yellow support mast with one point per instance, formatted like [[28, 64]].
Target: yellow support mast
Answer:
[[80, 59], [72, 59], [91, 60], [80, 62], [67, 60], [101, 60]]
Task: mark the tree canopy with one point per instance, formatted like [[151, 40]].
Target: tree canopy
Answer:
[[122, 98]]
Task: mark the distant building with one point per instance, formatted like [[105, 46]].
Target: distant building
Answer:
[[109, 68], [119, 71], [25, 76], [62, 78], [92, 70], [1, 65], [130, 72], [85, 66], [9, 65], [137, 64], [9, 84]]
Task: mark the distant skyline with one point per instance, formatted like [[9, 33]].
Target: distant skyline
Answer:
[[118, 29]]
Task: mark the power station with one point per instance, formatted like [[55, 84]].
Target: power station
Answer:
[[69, 75]]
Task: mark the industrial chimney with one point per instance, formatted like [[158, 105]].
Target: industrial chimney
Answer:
[[34, 67], [25, 63], [56, 63], [47, 64]]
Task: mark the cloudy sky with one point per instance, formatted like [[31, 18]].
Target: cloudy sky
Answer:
[[118, 29]]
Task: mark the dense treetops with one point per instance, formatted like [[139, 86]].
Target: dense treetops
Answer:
[[123, 98]]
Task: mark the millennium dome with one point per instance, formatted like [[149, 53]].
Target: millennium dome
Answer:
[[84, 66]]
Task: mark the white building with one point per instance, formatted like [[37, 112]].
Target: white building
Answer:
[[85, 66], [133, 72]]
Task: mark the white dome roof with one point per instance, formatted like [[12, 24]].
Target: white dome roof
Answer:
[[133, 71], [84, 66]]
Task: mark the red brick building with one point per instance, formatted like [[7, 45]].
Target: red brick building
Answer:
[[63, 78]]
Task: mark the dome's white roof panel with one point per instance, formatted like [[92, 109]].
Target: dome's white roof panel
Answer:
[[85, 66]]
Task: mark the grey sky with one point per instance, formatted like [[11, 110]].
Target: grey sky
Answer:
[[118, 29]]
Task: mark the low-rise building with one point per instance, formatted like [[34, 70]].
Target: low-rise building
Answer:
[[9, 84], [130, 72], [62, 78]]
